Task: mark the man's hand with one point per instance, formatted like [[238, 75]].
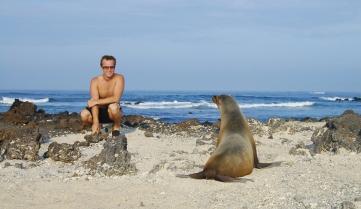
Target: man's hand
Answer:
[[95, 128], [92, 103]]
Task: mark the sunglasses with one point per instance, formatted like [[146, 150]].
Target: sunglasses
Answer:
[[108, 67]]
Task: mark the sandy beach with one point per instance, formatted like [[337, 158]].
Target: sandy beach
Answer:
[[303, 180]]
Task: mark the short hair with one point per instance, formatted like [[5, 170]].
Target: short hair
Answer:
[[107, 57]]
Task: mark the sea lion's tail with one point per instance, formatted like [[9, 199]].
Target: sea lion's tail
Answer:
[[268, 165]]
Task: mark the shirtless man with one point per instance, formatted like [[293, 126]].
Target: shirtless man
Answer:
[[105, 91]]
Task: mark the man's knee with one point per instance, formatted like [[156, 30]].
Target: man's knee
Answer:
[[85, 115], [114, 108]]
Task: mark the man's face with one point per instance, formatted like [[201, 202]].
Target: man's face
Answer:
[[108, 67]]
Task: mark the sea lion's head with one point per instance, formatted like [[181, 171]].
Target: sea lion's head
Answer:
[[225, 101], [215, 100]]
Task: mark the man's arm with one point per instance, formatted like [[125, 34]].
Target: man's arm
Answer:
[[117, 94], [94, 109], [94, 89]]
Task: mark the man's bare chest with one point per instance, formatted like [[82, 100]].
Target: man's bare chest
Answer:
[[106, 89]]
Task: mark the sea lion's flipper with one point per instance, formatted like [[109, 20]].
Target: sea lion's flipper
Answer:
[[182, 176], [199, 175], [268, 165], [231, 179]]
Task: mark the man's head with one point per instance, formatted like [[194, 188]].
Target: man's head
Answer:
[[107, 63]]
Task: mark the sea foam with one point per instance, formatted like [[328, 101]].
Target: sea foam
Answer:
[[10, 100], [336, 99], [318, 92], [169, 105], [205, 105], [286, 104]]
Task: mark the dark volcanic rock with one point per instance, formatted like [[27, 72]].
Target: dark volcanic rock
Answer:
[[184, 125], [114, 159], [70, 122], [63, 152], [22, 144], [20, 112], [343, 131], [136, 120], [82, 144], [308, 119], [95, 138]]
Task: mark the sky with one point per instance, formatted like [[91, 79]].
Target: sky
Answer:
[[241, 45]]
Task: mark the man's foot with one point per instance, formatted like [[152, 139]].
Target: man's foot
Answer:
[[115, 133], [95, 128]]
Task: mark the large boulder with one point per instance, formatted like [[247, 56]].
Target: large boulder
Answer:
[[343, 131], [114, 159], [63, 152], [20, 112], [22, 144]]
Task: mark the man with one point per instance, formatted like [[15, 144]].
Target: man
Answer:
[[105, 91]]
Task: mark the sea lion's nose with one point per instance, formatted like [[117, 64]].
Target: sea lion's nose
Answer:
[[214, 99]]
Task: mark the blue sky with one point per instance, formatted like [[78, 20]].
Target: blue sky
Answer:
[[277, 45]]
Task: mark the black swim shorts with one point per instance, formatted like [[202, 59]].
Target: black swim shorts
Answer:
[[103, 114]]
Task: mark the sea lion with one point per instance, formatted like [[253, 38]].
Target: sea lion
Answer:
[[235, 154]]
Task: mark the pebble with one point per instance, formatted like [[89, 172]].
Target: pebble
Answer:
[[347, 205], [358, 199], [148, 134], [19, 165]]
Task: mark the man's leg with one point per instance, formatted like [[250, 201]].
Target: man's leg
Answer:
[[115, 114], [96, 124], [86, 117]]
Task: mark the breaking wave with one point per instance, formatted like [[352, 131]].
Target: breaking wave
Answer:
[[169, 105], [204, 104], [336, 99], [10, 100], [286, 104]]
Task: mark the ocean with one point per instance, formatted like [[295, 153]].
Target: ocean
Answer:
[[175, 106]]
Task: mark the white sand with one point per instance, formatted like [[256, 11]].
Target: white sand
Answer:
[[302, 181]]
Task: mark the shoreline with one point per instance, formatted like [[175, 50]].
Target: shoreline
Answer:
[[176, 107]]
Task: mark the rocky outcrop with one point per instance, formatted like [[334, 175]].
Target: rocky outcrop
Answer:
[[343, 131], [276, 125], [114, 159], [22, 113], [136, 120], [64, 122], [186, 124], [257, 127], [191, 127], [22, 144], [95, 138], [63, 152]]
